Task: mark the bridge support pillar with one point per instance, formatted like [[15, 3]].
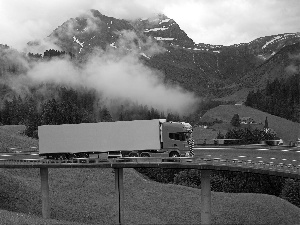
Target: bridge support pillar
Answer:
[[205, 197], [45, 193], [120, 194]]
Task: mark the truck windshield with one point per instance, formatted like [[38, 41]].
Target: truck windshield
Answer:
[[181, 136]]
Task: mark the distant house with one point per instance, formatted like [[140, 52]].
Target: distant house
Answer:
[[239, 103], [246, 120]]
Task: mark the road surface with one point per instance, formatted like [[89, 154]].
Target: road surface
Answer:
[[257, 153]]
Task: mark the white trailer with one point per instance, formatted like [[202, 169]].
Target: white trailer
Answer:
[[128, 138]]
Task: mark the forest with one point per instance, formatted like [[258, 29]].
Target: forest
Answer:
[[70, 106], [280, 98]]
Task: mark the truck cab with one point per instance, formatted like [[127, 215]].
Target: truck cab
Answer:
[[175, 138]]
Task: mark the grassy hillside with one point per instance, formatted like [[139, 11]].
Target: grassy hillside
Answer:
[[285, 129], [87, 196], [11, 137]]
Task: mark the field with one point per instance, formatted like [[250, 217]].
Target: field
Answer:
[[11, 137], [87, 196], [285, 129]]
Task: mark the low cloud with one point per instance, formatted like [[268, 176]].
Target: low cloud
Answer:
[[40, 46], [116, 73], [295, 57], [292, 69]]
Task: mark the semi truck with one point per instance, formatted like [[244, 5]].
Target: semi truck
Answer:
[[138, 138]]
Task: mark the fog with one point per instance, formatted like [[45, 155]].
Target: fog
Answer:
[[115, 73], [294, 66]]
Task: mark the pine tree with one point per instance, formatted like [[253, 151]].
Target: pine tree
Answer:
[[235, 121], [6, 117], [32, 122], [266, 126], [105, 115]]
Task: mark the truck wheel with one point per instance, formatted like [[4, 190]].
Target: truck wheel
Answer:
[[145, 154], [133, 154], [174, 154]]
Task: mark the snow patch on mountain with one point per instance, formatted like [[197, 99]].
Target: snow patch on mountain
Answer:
[[164, 21], [113, 45], [277, 38], [164, 39], [77, 41], [156, 29], [270, 42], [143, 54]]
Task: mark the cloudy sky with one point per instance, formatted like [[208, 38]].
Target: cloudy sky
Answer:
[[205, 21]]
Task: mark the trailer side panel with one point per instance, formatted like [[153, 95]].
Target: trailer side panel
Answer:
[[99, 137]]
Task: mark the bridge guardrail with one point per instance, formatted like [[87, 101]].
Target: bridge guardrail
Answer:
[[216, 162]]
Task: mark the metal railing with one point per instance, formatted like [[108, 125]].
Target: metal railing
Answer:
[[214, 163]]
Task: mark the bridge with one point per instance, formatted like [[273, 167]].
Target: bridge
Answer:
[[278, 161]]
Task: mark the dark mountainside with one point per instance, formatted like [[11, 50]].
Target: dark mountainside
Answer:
[[208, 70], [214, 71]]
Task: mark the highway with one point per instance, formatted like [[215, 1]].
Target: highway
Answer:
[[256, 153], [285, 155]]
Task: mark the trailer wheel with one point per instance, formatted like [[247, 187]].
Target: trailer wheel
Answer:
[[174, 154], [133, 154], [145, 154]]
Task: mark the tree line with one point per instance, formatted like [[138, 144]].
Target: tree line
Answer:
[[48, 54], [280, 98], [70, 106]]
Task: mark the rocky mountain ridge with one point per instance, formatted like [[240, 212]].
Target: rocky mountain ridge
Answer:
[[208, 70]]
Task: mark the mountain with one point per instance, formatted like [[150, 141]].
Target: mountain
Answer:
[[214, 71], [282, 64]]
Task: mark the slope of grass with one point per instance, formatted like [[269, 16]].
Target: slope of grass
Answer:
[[285, 129], [201, 134], [11, 218], [11, 137], [88, 196]]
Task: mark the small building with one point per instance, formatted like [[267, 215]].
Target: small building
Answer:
[[246, 120]]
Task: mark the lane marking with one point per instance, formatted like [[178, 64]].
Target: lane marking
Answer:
[[242, 156], [284, 159], [263, 149], [32, 159], [34, 154], [273, 158], [5, 155], [285, 150], [294, 160], [212, 148], [258, 157]]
